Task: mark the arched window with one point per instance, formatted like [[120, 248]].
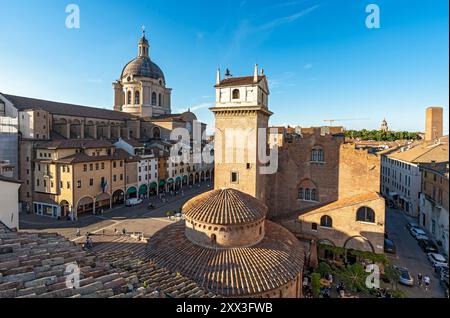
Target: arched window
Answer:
[[313, 195], [317, 155], [301, 194], [154, 99], [365, 214], [137, 98], [307, 194], [159, 100], [129, 97], [326, 221], [156, 133], [236, 94]]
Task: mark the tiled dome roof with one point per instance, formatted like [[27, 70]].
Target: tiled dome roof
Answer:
[[224, 207], [235, 272]]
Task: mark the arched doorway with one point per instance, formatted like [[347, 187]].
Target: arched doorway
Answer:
[[208, 175], [202, 176], [162, 185], [170, 184], [131, 193], [75, 129], [118, 197], [153, 188], [185, 180], [191, 179], [85, 205], [65, 208], [197, 178], [177, 183], [143, 191], [102, 202]]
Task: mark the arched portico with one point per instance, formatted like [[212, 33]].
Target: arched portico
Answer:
[[143, 191], [132, 192], [85, 205], [102, 201], [118, 197]]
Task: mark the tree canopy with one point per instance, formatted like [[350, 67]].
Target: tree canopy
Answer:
[[379, 135]]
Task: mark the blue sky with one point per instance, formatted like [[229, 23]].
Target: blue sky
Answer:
[[321, 60]]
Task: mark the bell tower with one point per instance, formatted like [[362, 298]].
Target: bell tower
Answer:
[[241, 112]]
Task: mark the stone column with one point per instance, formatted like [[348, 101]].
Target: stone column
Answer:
[[67, 133], [94, 134]]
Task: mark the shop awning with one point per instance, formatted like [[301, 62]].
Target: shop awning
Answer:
[[162, 183], [131, 190], [170, 180], [143, 189], [153, 185], [185, 178], [178, 179]]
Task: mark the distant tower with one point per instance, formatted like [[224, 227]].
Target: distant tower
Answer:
[[241, 105], [434, 125], [384, 126]]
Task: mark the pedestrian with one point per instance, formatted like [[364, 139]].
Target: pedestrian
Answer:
[[419, 279], [78, 232], [116, 232], [426, 280], [124, 231]]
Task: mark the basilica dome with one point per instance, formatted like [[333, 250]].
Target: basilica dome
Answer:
[[143, 67]]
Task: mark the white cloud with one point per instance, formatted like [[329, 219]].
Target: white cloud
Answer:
[[194, 108], [288, 19]]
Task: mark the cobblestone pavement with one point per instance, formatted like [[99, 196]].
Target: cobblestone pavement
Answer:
[[133, 219], [411, 256]]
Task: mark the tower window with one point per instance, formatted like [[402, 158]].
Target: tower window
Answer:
[[159, 100], [137, 99], [129, 97], [236, 94], [234, 177], [153, 99], [326, 221]]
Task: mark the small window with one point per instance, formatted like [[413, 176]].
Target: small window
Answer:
[[137, 99], [213, 238], [326, 221], [91, 182], [234, 177], [314, 226], [153, 99], [365, 214], [129, 98], [79, 184], [236, 94], [249, 165]]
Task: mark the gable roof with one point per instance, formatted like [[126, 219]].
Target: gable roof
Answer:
[[58, 108], [75, 143]]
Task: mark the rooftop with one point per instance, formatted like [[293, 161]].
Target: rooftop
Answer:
[[34, 265], [224, 207], [235, 272], [75, 143], [424, 152], [238, 81], [25, 103]]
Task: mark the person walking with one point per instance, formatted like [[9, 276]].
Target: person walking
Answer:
[[426, 280], [419, 279], [78, 232]]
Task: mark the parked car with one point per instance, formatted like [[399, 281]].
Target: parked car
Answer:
[[437, 260], [133, 202], [422, 238], [415, 232], [405, 276], [428, 246], [441, 269], [389, 246], [412, 225]]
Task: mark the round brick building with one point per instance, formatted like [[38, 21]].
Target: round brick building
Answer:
[[228, 247]]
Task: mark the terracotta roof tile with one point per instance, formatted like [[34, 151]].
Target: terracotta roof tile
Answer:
[[233, 272], [23, 103], [225, 207]]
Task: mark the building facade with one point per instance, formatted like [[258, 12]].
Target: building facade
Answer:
[[434, 202]]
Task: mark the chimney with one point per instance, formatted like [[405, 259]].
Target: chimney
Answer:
[[255, 75]]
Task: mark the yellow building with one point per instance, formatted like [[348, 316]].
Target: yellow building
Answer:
[[78, 176]]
